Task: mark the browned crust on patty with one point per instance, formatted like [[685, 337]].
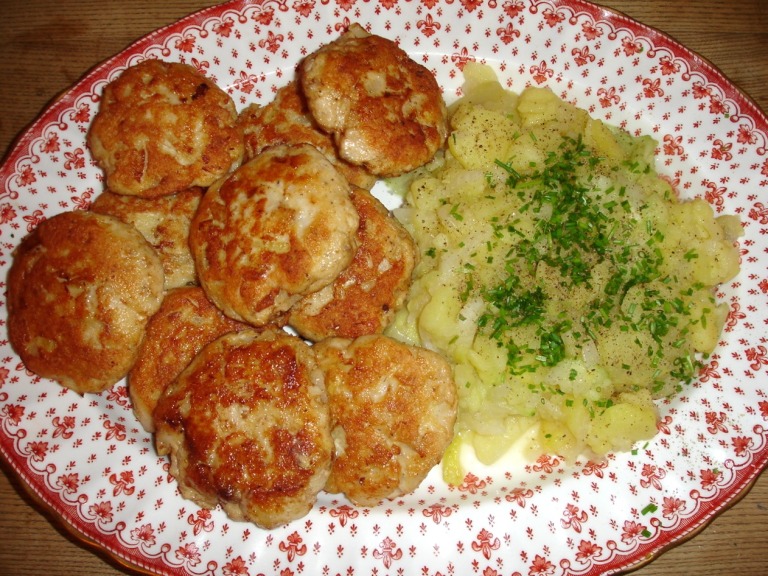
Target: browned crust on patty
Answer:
[[393, 408], [385, 110], [163, 127], [246, 426], [286, 120], [280, 227], [164, 222], [184, 324], [80, 292], [366, 295]]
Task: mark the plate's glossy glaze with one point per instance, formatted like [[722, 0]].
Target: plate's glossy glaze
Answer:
[[90, 462]]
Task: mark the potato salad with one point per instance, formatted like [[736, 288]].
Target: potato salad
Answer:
[[560, 274]]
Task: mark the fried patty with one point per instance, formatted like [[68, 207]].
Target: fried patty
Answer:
[[280, 227], [286, 120], [246, 426], [393, 408], [164, 222], [184, 324], [385, 111], [81, 290], [366, 295], [162, 127]]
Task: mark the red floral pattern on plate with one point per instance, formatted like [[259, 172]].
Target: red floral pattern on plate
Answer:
[[89, 460]]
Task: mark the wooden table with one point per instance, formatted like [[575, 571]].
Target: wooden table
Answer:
[[45, 45]]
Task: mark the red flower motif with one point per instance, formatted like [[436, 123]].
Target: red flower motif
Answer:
[[709, 478], [668, 66], [7, 213], [293, 546], [715, 194], [700, 91], [741, 445], [595, 468], [68, 482], [631, 47], [591, 32], [471, 5], [14, 413], [27, 176], [263, 15], [513, 7], [387, 552], [552, 18], [51, 145], [608, 96], [236, 567], [717, 106], [671, 507], [486, 544], [546, 463], [588, 550], [189, 553], [304, 7], [224, 27], [631, 531], [37, 451], [185, 44], [746, 135], [102, 510], [144, 534], [82, 114], [541, 566]]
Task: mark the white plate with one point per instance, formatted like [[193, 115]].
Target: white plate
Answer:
[[91, 463]]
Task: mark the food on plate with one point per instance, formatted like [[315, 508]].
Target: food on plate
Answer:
[[184, 324], [246, 426], [385, 111], [286, 120], [164, 222], [81, 290], [560, 274], [162, 127], [393, 408], [364, 297], [280, 227]]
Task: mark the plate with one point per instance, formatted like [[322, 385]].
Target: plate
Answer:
[[91, 463]]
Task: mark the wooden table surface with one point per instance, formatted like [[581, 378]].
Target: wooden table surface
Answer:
[[46, 45]]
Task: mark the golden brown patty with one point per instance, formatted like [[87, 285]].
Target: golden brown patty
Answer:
[[286, 120], [185, 322], [80, 292], [393, 408], [163, 127], [246, 426], [385, 111], [281, 226], [365, 296], [164, 222]]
